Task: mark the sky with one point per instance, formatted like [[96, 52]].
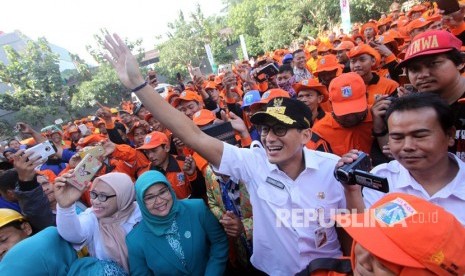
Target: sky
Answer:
[[72, 24]]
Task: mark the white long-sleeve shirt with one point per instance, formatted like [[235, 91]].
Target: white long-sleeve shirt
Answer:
[[83, 229]]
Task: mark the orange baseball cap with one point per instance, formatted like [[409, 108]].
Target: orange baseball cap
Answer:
[[210, 85], [93, 138], [268, 96], [429, 43], [322, 48], [312, 84], [187, 95], [203, 117], [347, 94], [410, 232], [328, 63], [416, 8], [344, 45], [153, 140], [365, 49], [417, 23], [49, 174], [369, 25]]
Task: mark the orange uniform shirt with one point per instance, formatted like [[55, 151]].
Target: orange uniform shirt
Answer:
[[380, 86], [341, 139]]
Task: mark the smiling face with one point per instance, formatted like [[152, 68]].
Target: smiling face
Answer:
[[310, 98], [284, 151], [158, 200], [107, 208], [417, 140], [433, 73], [189, 108]]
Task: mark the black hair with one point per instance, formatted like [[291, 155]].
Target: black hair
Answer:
[[11, 140], [15, 223], [286, 68], [297, 51], [424, 100], [8, 180], [455, 56]]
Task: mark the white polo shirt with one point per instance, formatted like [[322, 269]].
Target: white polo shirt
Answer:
[[286, 231], [451, 197]]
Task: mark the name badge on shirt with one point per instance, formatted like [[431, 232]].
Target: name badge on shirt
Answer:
[[274, 182], [320, 237]]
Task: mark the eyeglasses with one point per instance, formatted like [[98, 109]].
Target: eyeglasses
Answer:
[[163, 194], [278, 130], [100, 197]]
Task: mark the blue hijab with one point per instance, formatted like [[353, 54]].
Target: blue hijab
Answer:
[[156, 224]]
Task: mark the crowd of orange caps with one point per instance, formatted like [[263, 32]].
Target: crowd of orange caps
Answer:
[[395, 30]]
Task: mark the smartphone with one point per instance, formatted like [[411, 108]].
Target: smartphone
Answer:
[[43, 150], [409, 87], [83, 128], [448, 6], [223, 131], [266, 72], [95, 151], [84, 172], [196, 72]]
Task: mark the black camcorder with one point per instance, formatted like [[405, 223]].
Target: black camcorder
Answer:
[[357, 173]]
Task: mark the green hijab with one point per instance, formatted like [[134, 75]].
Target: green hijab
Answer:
[[158, 225]]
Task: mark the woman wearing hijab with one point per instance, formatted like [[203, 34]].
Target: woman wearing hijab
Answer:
[[104, 226], [175, 237]]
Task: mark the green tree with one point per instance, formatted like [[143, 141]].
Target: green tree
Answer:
[[101, 83], [34, 76]]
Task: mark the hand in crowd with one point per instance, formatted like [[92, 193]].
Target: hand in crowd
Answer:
[[378, 110], [232, 224], [24, 128], [125, 64], [178, 143], [349, 158], [189, 165], [236, 122], [25, 165], [65, 194], [104, 113], [229, 80], [382, 49], [387, 151], [109, 147], [74, 161]]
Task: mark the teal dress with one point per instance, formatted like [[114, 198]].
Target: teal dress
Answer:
[[188, 241]]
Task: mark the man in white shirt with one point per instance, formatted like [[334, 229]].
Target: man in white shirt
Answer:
[[421, 128], [291, 188]]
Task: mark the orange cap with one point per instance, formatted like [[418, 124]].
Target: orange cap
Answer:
[[324, 48], [410, 232], [93, 138], [268, 96], [153, 140], [49, 174], [187, 95], [365, 49], [416, 8], [170, 96], [312, 84], [347, 94], [344, 45], [210, 85], [203, 117], [328, 63], [369, 25], [417, 23]]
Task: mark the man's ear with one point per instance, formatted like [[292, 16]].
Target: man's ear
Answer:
[[306, 134], [167, 147], [461, 66], [26, 227], [451, 133]]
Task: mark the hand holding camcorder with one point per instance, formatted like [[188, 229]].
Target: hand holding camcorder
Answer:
[[357, 173]]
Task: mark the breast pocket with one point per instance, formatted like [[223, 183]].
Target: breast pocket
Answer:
[[273, 195]]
